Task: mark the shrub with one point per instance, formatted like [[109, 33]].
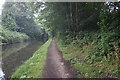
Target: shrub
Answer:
[[8, 36]]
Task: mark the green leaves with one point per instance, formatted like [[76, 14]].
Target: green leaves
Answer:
[[12, 36], [19, 16]]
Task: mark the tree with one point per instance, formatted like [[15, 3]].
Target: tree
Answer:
[[19, 16], [70, 18]]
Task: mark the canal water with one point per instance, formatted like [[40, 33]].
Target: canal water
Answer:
[[14, 55]]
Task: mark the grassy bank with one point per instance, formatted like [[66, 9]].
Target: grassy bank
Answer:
[[8, 36], [86, 55], [33, 68]]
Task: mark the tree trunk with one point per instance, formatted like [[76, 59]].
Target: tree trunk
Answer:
[[71, 17], [77, 17]]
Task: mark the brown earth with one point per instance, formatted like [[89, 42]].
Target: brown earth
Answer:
[[55, 66]]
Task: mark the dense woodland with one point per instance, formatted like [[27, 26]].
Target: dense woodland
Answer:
[[18, 18], [88, 34]]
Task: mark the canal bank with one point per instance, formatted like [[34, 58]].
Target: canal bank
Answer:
[[14, 55]]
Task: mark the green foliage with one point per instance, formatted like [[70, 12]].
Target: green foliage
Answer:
[[85, 53], [68, 19], [109, 18], [86, 31], [8, 36], [8, 17], [85, 69], [19, 17], [33, 68], [110, 29]]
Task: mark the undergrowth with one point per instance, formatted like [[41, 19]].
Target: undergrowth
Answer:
[[8, 36], [93, 54]]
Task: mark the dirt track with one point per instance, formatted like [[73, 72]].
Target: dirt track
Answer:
[[55, 66]]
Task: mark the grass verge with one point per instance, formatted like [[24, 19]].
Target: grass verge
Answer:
[[84, 54], [33, 68], [78, 64]]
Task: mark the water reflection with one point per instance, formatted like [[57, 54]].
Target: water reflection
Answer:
[[12, 48], [16, 54], [1, 72]]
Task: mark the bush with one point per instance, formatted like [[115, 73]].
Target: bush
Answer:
[[96, 49], [8, 36]]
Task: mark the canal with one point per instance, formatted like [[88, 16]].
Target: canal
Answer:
[[14, 55]]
